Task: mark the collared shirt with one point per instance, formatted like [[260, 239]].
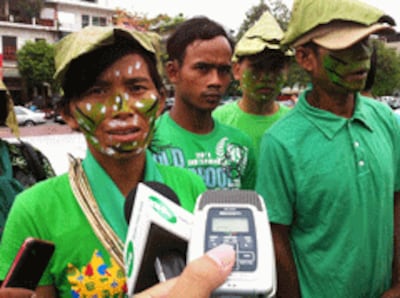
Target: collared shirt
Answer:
[[332, 180], [109, 198], [81, 266]]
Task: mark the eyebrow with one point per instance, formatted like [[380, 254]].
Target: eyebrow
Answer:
[[213, 65], [137, 80], [127, 80]]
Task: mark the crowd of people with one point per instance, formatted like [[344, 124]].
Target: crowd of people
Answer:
[[328, 168]]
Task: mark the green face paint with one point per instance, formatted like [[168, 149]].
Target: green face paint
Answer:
[[345, 69], [261, 86], [91, 114]]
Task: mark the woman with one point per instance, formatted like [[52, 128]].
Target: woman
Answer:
[[112, 94]]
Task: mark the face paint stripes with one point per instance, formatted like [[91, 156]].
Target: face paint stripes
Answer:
[[346, 71]]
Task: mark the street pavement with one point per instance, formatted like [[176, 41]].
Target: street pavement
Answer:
[[55, 141]]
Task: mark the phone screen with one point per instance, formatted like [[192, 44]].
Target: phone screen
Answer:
[[29, 264]]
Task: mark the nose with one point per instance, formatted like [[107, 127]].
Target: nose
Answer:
[[219, 78], [363, 48], [215, 78], [120, 107]]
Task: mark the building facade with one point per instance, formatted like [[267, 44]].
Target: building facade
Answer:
[[51, 21]]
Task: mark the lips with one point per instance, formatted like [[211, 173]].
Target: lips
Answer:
[[121, 131], [124, 131], [358, 75], [213, 97], [264, 89]]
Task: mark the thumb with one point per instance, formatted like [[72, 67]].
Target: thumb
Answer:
[[205, 274]]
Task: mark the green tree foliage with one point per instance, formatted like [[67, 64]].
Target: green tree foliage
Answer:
[[36, 63], [27, 9], [281, 13], [296, 75], [252, 15], [387, 79], [164, 23], [276, 7]]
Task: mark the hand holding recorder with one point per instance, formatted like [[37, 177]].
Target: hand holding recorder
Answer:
[[199, 278]]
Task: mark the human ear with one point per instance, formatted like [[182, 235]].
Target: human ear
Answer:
[[69, 118], [305, 57], [236, 70], [172, 70], [162, 97]]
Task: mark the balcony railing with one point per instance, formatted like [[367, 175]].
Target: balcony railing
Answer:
[[33, 21]]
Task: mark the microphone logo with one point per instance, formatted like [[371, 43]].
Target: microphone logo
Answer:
[[163, 210], [129, 258]]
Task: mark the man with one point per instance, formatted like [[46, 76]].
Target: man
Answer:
[[199, 67], [329, 170], [260, 67]]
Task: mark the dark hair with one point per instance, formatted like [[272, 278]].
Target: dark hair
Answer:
[[83, 71], [273, 60], [372, 71], [313, 46], [193, 29]]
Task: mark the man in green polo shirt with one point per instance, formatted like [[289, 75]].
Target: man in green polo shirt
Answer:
[[329, 170]]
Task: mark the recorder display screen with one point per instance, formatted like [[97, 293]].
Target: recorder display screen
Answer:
[[230, 225]]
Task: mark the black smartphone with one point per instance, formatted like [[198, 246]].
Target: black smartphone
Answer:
[[29, 264]]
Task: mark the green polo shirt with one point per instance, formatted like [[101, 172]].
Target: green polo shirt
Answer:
[[332, 180]]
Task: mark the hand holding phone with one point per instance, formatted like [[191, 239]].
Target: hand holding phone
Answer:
[[29, 264], [15, 293]]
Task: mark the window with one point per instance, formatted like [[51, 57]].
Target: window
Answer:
[[9, 48], [85, 20], [95, 21], [99, 21], [103, 21]]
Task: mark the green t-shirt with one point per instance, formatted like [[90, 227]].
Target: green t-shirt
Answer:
[[224, 158], [253, 125], [81, 266], [332, 180]]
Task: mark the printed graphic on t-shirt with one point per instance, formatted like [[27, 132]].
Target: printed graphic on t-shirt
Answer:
[[97, 279], [221, 169]]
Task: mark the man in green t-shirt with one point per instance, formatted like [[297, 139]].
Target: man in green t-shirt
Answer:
[[330, 169], [199, 67], [260, 66]]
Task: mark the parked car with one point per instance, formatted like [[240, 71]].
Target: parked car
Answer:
[[169, 102], [58, 118], [27, 117], [392, 101]]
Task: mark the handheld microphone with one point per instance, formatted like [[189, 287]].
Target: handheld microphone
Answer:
[[157, 238], [159, 187]]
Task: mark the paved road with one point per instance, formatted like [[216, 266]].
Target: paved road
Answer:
[[55, 140], [49, 128]]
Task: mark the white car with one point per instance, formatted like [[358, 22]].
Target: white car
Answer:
[[28, 117]]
